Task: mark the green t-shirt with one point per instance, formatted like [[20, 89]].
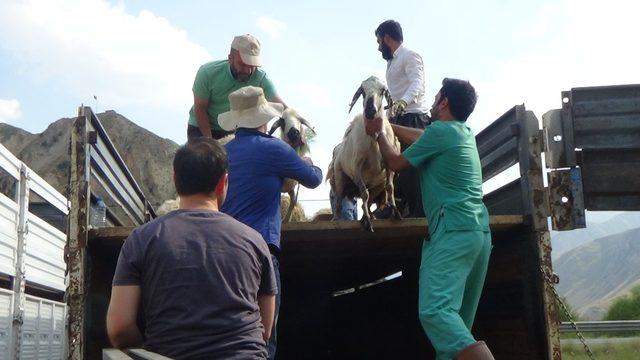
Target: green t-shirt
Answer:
[[215, 82], [447, 160]]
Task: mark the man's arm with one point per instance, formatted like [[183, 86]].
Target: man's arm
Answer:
[[201, 106], [414, 69], [394, 160], [277, 99], [406, 135], [291, 165], [267, 305], [121, 317]]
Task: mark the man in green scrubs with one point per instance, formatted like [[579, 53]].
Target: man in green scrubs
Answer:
[[217, 79], [456, 255]]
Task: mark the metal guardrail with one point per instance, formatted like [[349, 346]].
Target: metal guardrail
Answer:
[[602, 326]]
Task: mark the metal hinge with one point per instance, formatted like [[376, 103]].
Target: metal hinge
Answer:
[[18, 319], [566, 199]]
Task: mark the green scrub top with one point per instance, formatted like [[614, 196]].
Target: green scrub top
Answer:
[[447, 160]]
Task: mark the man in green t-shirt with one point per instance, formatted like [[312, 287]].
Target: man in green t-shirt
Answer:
[[456, 255], [217, 79]]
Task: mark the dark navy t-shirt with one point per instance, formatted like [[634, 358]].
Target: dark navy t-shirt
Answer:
[[200, 273]]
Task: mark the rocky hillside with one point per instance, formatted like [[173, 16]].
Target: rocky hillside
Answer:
[[592, 276], [564, 241], [147, 155]]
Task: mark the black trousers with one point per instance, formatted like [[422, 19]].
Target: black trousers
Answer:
[[193, 132], [407, 185]]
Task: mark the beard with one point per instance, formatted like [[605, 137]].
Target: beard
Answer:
[[434, 114], [240, 76], [387, 54]]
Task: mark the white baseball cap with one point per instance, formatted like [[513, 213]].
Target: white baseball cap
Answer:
[[249, 48]]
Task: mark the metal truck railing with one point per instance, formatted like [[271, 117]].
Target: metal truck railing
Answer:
[[517, 315], [97, 170], [32, 240]]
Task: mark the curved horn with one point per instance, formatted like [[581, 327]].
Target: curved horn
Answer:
[[304, 122], [387, 96], [358, 93], [276, 125]]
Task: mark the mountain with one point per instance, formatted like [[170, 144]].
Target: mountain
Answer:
[[592, 276], [148, 156], [563, 241]]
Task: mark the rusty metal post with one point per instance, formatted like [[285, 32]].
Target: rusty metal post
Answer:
[[19, 280], [75, 252], [537, 204]]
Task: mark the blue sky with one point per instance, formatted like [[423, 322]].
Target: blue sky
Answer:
[[139, 57]]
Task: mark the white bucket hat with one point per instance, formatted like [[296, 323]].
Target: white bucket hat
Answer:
[[249, 49], [249, 109]]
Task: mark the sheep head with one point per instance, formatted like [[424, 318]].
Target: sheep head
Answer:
[[292, 132], [373, 91]]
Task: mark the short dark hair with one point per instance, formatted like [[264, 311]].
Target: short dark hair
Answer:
[[198, 166], [391, 28], [462, 97]]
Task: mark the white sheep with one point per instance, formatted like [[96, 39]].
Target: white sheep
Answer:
[[357, 168], [292, 132]]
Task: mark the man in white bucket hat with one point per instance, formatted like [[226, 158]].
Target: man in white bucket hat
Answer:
[[258, 163], [217, 79]]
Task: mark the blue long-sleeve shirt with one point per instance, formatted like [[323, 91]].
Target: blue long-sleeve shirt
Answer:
[[258, 164]]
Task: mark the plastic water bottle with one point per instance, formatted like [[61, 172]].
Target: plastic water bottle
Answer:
[[99, 213]]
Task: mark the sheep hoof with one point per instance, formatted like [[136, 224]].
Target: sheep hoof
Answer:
[[396, 213], [366, 224]]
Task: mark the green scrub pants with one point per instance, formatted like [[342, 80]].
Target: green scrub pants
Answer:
[[452, 273]]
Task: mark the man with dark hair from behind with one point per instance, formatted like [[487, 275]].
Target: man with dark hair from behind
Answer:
[[203, 281], [405, 79], [456, 255]]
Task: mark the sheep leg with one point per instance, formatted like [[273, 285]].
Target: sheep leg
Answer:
[[293, 198], [365, 221], [390, 198], [338, 191]]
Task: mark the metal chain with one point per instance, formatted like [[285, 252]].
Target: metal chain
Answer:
[[551, 284]]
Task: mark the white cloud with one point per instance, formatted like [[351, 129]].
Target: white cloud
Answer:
[[588, 43], [9, 110], [316, 95], [93, 47], [274, 28]]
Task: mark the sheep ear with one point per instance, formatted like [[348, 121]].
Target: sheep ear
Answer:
[[387, 96], [304, 122], [358, 93], [276, 125]]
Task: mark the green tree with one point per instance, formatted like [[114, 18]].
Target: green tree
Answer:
[[625, 308]]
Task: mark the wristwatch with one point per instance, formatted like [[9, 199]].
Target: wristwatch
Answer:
[[378, 133]]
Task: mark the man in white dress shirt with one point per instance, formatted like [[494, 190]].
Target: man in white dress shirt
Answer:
[[405, 79]]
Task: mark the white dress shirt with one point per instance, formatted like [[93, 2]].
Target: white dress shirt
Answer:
[[405, 79]]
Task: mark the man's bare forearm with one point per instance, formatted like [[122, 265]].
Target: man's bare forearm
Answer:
[[203, 122], [392, 158], [267, 306], [277, 99], [131, 337], [406, 135]]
